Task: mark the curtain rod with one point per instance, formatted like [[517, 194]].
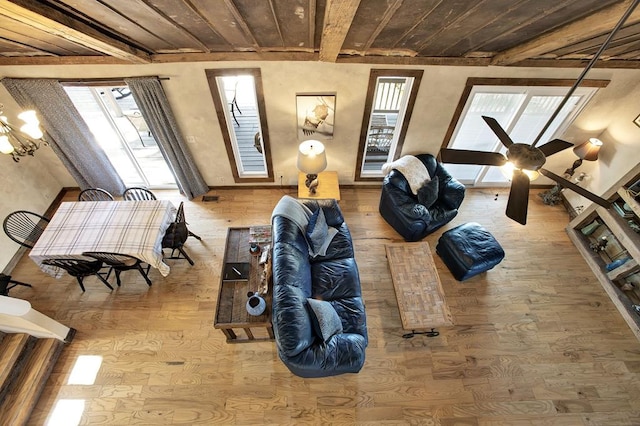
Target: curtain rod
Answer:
[[115, 80]]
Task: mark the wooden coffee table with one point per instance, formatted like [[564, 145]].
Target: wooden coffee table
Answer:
[[418, 288], [231, 313]]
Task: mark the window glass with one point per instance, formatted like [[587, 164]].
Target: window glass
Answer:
[[119, 128], [388, 110], [237, 95], [522, 111]]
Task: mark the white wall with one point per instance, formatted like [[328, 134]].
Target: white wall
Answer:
[[35, 181]]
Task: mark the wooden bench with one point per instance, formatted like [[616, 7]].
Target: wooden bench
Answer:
[[418, 288]]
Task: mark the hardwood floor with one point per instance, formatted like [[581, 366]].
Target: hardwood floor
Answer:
[[536, 340]]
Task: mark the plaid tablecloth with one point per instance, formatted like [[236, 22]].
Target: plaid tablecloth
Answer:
[[135, 228]]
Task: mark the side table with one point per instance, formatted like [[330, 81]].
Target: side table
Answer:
[[231, 313], [328, 186]]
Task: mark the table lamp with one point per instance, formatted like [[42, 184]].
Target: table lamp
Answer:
[[588, 150], [312, 159]]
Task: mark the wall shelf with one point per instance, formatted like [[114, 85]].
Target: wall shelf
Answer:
[[620, 227]]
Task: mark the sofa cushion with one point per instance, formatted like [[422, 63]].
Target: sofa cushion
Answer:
[[330, 207], [291, 322], [324, 318], [428, 193], [340, 247], [335, 279], [319, 234]]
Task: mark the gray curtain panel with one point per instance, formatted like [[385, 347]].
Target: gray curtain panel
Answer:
[[69, 136], [152, 101]]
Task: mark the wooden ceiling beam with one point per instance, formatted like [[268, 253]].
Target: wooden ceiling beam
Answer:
[[54, 22], [591, 26], [338, 17]]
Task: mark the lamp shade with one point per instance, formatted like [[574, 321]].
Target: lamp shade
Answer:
[[312, 158], [588, 150]]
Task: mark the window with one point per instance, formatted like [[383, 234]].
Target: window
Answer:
[[119, 128], [238, 97], [522, 110], [388, 108]]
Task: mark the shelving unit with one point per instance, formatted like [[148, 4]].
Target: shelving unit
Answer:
[[616, 264]]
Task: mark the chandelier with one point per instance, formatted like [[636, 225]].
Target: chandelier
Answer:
[[23, 141]]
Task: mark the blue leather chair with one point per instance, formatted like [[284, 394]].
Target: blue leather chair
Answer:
[[402, 210]]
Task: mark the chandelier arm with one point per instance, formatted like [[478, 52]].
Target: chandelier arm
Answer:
[[590, 65]]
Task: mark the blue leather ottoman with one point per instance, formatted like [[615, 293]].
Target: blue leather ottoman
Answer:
[[469, 250]]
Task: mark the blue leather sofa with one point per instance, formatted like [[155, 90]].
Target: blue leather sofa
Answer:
[[402, 210], [334, 278]]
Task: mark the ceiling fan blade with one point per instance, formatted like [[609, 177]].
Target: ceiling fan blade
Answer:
[[498, 130], [518, 197], [464, 156], [575, 188], [554, 146]]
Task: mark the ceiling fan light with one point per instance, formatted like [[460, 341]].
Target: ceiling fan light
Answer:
[[5, 145], [507, 170], [531, 174], [588, 150]]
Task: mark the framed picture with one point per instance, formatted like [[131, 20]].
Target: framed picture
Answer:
[[315, 115], [637, 121]]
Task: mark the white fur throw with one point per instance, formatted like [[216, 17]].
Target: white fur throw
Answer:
[[412, 169]]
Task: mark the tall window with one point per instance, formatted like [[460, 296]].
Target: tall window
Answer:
[[237, 95], [521, 110], [118, 126], [388, 108]]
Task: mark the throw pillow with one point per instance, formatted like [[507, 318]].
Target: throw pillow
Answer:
[[319, 234], [428, 193], [324, 318]]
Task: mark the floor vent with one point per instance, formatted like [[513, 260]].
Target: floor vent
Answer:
[[207, 198]]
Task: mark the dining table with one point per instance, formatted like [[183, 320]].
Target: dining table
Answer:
[[135, 228]]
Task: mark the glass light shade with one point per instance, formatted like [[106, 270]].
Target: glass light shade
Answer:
[[29, 117], [312, 158], [508, 168], [5, 145], [588, 150], [32, 130]]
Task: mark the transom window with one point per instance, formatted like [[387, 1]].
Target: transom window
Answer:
[[521, 110]]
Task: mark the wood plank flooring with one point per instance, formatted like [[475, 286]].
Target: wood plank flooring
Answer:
[[536, 340]]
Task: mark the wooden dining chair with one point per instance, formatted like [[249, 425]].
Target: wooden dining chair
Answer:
[[79, 269], [175, 237], [180, 218], [24, 227], [120, 262], [95, 194], [6, 284], [138, 194]]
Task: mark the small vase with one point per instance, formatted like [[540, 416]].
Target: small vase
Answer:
[[256, 304]]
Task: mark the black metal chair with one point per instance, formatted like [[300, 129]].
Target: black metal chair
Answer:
[[138, 194], [95, 194], [180, 218], [175, 237], [6, 284], [79, 268], [24, 227], [120, 262]]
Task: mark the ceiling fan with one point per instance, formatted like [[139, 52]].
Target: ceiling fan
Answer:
[[526, 159]]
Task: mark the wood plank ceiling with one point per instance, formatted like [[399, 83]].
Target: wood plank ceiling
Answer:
[[452, 32]]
